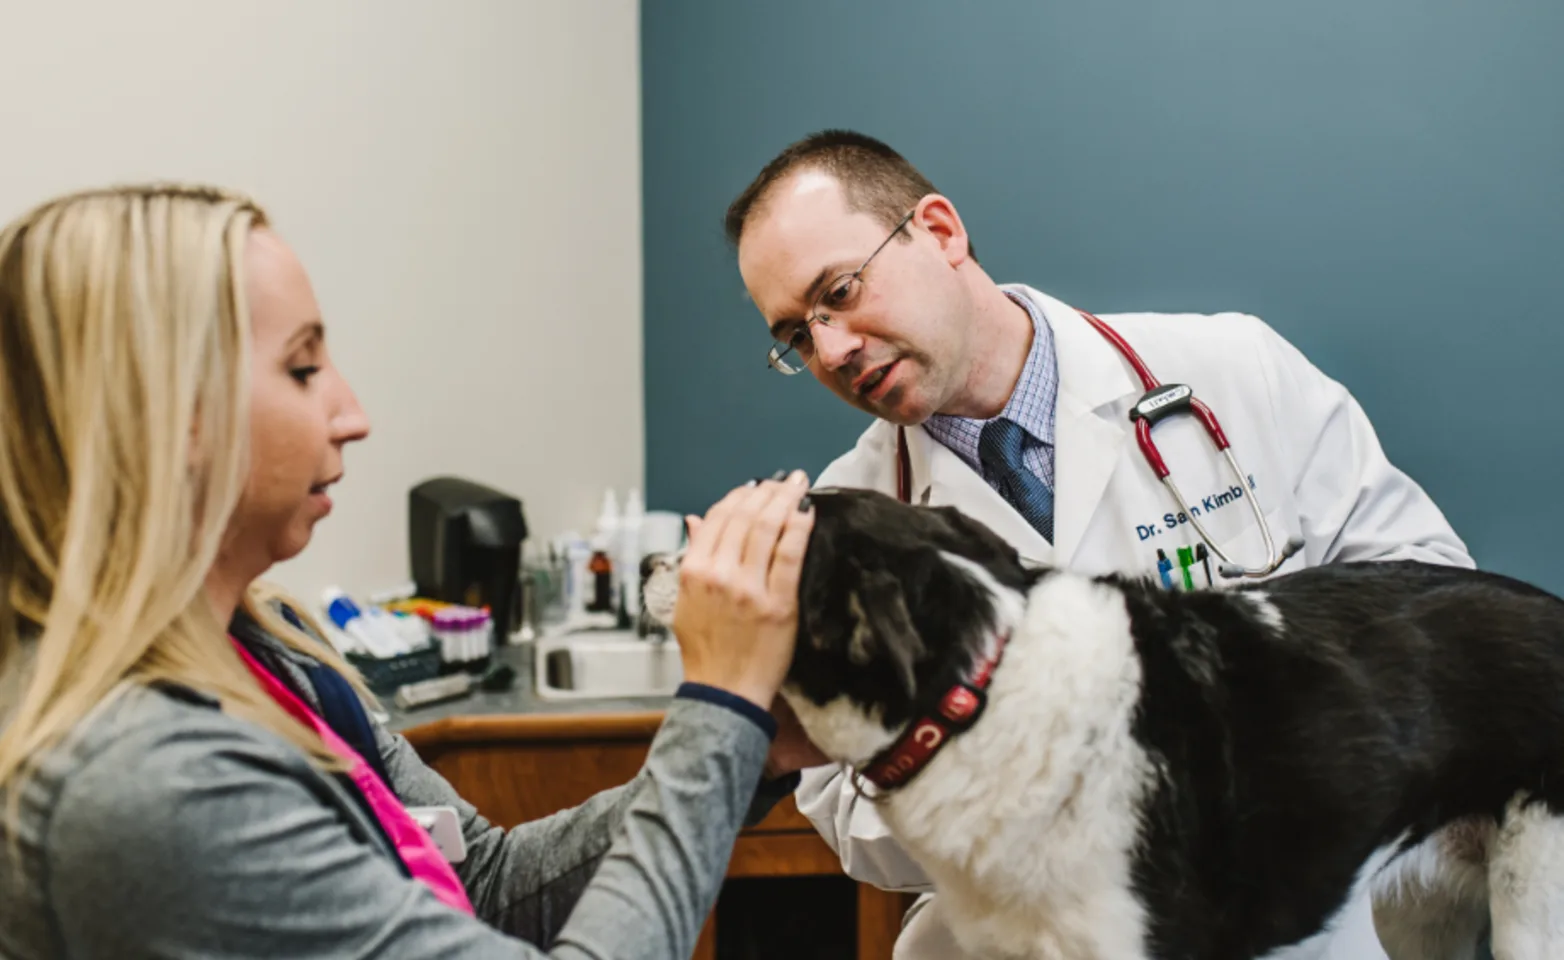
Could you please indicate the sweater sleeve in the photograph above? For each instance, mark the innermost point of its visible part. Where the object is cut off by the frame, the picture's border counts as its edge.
(528, 879)
(202, 840)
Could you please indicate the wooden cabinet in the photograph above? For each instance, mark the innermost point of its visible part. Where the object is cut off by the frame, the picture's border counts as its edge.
(521, 767)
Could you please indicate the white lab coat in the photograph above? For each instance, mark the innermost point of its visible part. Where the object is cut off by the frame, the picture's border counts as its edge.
(1316, 465)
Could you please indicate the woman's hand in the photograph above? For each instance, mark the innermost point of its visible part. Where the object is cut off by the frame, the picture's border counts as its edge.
(737, 613)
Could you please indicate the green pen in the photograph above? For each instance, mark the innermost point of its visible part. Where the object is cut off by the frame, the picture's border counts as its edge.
(1186, 559)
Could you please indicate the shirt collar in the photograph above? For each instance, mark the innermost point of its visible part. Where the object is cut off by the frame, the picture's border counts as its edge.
(1031, 405)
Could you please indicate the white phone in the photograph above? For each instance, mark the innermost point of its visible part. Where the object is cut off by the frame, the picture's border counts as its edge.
(445, 828)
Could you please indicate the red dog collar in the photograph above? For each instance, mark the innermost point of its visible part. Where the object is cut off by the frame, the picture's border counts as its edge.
(958, 709)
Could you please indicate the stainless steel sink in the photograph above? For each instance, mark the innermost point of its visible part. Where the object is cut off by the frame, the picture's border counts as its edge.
(602, 664)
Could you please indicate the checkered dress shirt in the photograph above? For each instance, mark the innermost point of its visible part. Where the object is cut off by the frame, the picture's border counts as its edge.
(1031, 405)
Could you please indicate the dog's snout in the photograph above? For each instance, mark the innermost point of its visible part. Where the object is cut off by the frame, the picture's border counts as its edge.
(657, 563)
(660, 586)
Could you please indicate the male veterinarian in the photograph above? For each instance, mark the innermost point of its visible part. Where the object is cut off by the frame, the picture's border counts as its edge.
(1015, 407)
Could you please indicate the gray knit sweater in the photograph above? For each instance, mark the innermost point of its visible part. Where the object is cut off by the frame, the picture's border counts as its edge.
(167, 828)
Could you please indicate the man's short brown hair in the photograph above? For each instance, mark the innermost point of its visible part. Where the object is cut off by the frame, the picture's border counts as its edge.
(876, 179)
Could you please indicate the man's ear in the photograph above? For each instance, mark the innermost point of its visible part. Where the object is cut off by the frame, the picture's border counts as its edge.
(938, 216)
(884, 629)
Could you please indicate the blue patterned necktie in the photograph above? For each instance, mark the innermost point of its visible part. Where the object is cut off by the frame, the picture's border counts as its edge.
(999, 449)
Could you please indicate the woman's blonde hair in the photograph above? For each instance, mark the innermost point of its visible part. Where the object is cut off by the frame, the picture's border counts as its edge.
(124, 426)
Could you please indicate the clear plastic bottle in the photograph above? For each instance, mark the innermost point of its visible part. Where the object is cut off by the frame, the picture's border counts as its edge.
(628, 555)
(366, 633)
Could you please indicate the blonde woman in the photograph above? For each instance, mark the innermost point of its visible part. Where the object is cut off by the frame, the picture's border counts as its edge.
(185, 769)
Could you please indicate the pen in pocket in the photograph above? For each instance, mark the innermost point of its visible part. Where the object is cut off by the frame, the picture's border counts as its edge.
(1186, 559)
(1163, 567)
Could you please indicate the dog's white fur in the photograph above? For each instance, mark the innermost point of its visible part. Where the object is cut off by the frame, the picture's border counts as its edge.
(1526, 884)
(1431, 903)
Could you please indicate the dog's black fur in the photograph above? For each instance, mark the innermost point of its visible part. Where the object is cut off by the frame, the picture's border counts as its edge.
(1394, 699)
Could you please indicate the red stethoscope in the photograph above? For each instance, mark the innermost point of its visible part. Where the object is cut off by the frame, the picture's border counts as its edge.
(1159, 402)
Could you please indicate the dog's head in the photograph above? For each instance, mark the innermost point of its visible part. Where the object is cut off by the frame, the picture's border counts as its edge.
(895, 602)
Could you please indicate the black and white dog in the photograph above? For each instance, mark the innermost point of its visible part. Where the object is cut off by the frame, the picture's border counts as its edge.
(1095, 767)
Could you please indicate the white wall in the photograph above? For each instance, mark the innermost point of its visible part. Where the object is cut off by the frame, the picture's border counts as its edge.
(462, 180)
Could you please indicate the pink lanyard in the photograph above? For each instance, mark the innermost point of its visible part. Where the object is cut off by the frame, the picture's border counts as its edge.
(412, 842)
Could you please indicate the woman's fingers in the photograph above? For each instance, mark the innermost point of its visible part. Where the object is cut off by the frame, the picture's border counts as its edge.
(771, 515)
(706, 535)
(718, 554)
(752, 521)
(735, 621)
(728, 550)
(787, 561)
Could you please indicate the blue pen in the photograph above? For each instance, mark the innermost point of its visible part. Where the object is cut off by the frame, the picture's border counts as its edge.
(1165, 569)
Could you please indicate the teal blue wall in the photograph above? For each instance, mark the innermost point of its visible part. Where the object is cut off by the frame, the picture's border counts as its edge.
(1381, 180)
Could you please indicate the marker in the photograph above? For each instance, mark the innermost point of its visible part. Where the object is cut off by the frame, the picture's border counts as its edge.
(1163, 566)
(1186, 559)
(1204, 557)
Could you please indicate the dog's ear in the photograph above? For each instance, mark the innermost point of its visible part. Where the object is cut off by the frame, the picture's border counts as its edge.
(884, 629)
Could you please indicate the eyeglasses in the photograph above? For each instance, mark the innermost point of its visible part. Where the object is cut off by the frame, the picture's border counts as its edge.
(795, 346)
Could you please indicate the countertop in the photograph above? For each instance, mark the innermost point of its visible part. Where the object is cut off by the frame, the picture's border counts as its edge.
(521, 698)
